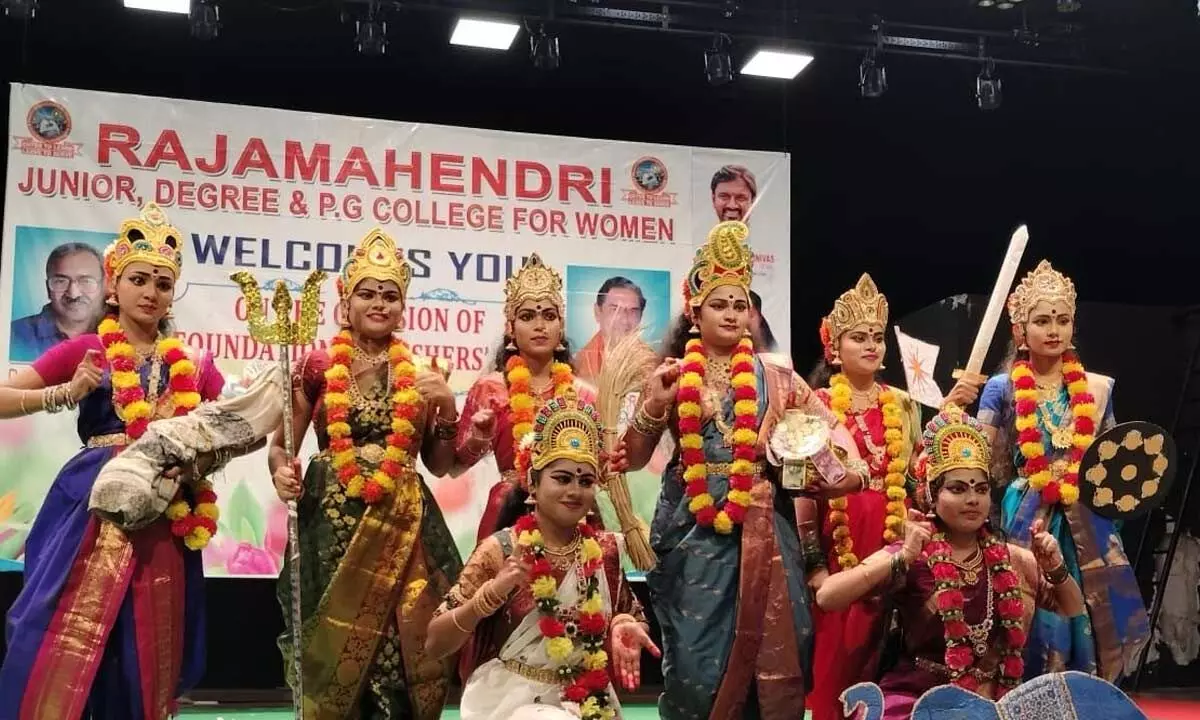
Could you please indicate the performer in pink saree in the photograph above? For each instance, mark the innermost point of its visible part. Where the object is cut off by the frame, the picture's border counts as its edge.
(966, 598)
(110, 624)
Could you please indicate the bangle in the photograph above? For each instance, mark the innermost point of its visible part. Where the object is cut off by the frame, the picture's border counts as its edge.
(23, 410)
(1058, 575)
(454, 619)
(445, 429)
(646, 424)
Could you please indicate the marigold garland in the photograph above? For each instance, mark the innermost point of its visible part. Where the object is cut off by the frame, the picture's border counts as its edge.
(894, 463)
(745, 421)
(406, 404)
(195, 525)
(521, 404)
(1031, 435)
(961, 655)
(585, 681)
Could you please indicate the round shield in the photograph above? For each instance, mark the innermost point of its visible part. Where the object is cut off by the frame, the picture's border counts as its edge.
(1127, 471)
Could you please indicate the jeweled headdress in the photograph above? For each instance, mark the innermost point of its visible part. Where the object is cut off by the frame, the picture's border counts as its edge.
(565, 427)
(1044, 283)
(952, 440)
(724, 259)
(377, 258)
(862, 304)
(148, 238)
(534, 281)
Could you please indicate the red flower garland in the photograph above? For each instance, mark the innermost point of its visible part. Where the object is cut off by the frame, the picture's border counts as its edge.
(1030, 438)
(960, 655)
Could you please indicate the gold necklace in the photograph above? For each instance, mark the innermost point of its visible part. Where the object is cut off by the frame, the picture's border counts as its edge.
(357, 353)
(568, 549)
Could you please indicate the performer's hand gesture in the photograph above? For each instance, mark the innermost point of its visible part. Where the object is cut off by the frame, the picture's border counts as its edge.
(617, 459)
(1045, 547)
(663, 386)
(287, 481)
(483, 422)
(966, 391)
(628, 641)
(436, 392)
(513, 575)
(917, 532)
(87, 375)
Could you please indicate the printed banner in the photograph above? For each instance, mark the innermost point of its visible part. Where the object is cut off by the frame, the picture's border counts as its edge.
(280, 193)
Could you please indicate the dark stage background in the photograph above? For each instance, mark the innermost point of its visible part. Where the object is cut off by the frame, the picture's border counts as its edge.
(918, 187)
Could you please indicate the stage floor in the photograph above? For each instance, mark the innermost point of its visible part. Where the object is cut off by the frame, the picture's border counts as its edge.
(1155, 709)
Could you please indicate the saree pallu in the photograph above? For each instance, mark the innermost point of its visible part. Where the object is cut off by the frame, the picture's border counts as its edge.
(736, 629)
(371, 578)
(1106, 641)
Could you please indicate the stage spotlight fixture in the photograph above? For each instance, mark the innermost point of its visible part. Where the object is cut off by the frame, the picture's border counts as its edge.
(205, 19)
(777, 64)
(872, 75)
(370, 34)
(718, 65)
(487, 34)
(988, 91)
(543, 49)
(171, 6)
(1069, 6)
(20, 9)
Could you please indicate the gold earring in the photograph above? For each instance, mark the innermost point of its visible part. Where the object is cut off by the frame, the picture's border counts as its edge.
(530, 501)
(694, 330)
(511, 346)
(1071, 345)
(111, 301)
(1023, 347)
(836, 360)
(561, 347)
(746, 333)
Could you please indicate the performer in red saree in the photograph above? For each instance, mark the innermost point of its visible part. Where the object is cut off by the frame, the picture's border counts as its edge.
(885, 424)
(110, 624)
(532, 366)
(966, 597)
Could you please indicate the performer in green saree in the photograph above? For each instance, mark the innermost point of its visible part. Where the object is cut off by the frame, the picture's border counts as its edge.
(377, 556)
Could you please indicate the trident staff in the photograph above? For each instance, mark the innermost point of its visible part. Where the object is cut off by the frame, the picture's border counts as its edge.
(286, 332)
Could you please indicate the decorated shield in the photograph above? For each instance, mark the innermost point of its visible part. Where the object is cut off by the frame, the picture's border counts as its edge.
(1127, 471)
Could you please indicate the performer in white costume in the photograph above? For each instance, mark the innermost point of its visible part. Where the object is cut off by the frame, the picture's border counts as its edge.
(542, 606)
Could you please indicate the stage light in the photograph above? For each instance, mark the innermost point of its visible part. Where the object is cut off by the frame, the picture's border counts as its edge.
(1069, 6)
(205, 19)
(872, 75)
(20, 9)
(718, 65)
(171, 6)
(777, 64)
(487, 34)
(988, 91)
(543, 50)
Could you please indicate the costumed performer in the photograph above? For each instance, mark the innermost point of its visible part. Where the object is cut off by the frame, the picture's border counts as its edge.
(729, 588)
(886, 426)
(544, 601)
(110, 624)
(532, 365)
(1042, 414)
(966, 598)
(377, 553)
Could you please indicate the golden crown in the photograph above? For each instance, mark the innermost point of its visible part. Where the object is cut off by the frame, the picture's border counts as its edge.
(724, 259)
(861, 305)
(149, 238)
(376, 258)
(534, 281)
(566, 428)
(1044, 283)
(953, 439)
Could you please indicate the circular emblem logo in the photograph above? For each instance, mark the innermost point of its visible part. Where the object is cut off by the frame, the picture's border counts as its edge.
(48, 121)
(649, 174)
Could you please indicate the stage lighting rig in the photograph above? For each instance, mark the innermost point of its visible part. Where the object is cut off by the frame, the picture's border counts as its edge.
(718, 64)
(543, 48)
(1068, 6)
(205, 19)
(988, 90)
(370, 33)
(872, 73)
(20, 9)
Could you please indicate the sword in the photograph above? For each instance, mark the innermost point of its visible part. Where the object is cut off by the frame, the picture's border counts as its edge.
(995, 307)
(286, 333)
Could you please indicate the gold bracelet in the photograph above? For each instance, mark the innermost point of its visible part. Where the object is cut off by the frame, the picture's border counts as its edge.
(454, 619)
(23, 410)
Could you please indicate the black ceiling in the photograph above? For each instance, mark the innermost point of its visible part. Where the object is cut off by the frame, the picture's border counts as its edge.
(920, 186)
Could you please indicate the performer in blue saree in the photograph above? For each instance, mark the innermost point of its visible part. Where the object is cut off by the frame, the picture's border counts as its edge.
(1042, 415)
(729, 587)
(110, 624)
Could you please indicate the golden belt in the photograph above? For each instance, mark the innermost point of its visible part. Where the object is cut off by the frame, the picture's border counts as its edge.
(368, 452)
(726, 469)
(941, 670)
(542, 675)
(110, 440)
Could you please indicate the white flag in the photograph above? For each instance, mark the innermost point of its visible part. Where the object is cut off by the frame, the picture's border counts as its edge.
(919, 359)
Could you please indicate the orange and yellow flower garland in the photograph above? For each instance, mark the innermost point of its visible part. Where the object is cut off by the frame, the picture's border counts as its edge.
(196, 525)
(1031, 438)
(585, 682)
(895, 461)
(521, 404)
(745, 420)
(406, 402)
